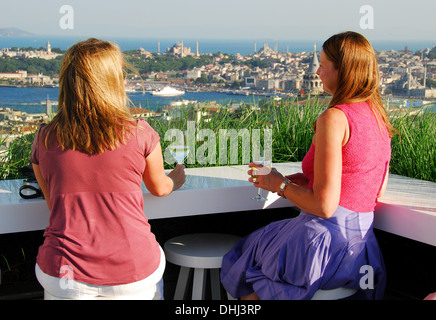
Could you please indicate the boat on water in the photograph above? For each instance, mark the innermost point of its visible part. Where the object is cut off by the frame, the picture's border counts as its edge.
(130, 89)
(168, 92)
(183, 102)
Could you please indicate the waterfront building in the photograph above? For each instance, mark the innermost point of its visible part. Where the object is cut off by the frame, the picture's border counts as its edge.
(250, 82)
(292, 85)
(38, 79)
(268, 85)
(193, 74)
(19, 75)
(46, 54)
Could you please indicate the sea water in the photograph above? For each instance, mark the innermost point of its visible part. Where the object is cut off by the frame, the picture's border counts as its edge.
(205, 46)
(33, 99)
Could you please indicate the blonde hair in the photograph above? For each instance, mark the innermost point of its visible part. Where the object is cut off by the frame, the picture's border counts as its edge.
(93, 114)
(358, 74)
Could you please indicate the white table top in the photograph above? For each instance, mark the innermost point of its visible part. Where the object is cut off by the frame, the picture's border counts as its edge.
(408, 207)
(206, 191)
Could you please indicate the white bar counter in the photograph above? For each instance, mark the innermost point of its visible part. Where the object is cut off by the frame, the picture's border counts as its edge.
(206, 191)
(408, 207)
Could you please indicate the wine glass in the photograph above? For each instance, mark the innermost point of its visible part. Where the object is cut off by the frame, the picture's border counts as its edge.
(261, 171)
(179, 152)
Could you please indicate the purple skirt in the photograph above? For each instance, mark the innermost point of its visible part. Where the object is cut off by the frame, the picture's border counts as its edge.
(291, 259)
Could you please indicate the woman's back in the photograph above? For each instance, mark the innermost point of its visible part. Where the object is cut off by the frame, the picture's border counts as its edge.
(97, 223)
(365, 158)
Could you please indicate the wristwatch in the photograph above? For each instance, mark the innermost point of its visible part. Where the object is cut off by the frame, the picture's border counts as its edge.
(283, 186)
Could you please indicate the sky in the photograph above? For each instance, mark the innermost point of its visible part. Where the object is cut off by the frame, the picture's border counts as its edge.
(224, 19)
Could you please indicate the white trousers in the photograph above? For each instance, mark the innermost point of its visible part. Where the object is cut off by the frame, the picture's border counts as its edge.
(150, 288)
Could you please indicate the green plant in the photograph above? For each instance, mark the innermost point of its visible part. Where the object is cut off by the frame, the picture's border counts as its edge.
(6, 262)
(291, 123)
(16, 157)
(414, 149)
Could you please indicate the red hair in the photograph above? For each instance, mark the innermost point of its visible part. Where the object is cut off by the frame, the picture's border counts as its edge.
(358, 74)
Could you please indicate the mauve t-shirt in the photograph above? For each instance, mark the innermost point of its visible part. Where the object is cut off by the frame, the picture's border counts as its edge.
(97, 229)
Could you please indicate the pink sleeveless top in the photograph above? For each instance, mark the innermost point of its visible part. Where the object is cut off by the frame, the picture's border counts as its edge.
(97, 226)
(365, 159)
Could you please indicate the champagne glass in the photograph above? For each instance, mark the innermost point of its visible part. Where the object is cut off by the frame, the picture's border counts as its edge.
(179, 152)
(261, 171)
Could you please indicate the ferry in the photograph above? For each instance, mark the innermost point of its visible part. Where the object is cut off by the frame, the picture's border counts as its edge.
(168, 92)
(130, 89)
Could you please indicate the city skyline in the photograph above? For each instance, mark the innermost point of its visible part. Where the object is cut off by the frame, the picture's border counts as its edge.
(228, 19)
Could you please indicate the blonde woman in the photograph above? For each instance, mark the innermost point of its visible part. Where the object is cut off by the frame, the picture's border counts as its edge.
(331, 243)
(90, 161)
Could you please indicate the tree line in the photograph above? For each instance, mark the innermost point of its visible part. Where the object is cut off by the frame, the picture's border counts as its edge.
(158, 63)
(165, 63)
(31, 65)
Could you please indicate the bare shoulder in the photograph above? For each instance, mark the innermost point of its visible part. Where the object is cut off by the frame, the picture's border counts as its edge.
(335, 122)
(332, 115)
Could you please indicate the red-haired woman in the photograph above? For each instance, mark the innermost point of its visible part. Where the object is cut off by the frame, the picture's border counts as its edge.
(331, 243)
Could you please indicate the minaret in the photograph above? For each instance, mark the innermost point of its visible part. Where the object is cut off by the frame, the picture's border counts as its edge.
(314, 65)
(48, 109)
(182, 54)
(425, 76)
(196, 51)
(48, 47)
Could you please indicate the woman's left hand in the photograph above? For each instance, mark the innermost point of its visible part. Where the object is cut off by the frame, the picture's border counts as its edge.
(264, 177)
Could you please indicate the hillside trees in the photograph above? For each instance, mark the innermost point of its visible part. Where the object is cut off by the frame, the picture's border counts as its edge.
(163, 63)
(31, 65)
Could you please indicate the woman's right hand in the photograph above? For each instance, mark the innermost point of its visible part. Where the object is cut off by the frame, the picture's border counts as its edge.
(178, 176)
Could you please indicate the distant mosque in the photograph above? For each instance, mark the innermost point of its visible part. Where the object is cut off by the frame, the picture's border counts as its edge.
(266, 50)
(410, 85)
(181, 51)
(311, 81)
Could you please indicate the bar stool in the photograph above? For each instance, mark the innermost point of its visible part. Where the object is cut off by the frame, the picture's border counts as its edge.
(333, 294)
(201, 252)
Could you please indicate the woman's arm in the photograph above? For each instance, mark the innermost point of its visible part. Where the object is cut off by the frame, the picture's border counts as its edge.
(323, 199)
(42, 184)
(384, 186)
(155, 179)
(330, 137)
